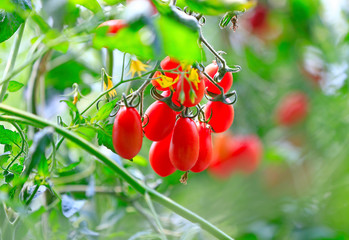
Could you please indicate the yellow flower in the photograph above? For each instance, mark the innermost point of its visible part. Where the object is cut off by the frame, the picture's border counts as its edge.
(137, 67)
(165, 81)
(112, 93)
(194, 77)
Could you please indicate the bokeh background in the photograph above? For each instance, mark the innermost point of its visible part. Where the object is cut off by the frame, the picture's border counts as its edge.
(299, 189)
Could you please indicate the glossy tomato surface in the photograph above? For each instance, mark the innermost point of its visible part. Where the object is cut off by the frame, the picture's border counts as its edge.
(184, 147)
(205, 152)
(159, 157)
(225, 83)
(193, 93)
(222, 115)
(159, 121)
(127, 133)
(171, 64)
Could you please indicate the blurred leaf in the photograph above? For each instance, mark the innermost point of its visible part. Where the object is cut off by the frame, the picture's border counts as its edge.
(71, 206)
(105, 137)
(112, 2)
(16, 168)
(10, 21)
(4, 157)
(88, 133)
(92, 5)
(104, 111)
(73, 111)
(217, 7)
(69, 167)
(44, 27)
(54, 34)
(9, 137)
(14, 86)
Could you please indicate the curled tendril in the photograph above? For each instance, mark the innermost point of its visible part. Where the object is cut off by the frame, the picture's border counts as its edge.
(115, 110)
(167, 100)
(147, 118)
(187, 113)
(98, 102)
(133, 102)
(223, 98)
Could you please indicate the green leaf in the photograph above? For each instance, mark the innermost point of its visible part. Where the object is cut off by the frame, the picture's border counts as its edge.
(104, 112)
(127, 40)
(92, 5)
(69, 167)
(105, 137)
(14, 86)
(217, 7)
(9, 137)
(11, 19)
(179, 40)
(44, 27)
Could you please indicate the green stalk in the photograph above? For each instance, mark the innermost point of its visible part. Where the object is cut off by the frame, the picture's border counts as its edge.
(11, 62)
(138, 186)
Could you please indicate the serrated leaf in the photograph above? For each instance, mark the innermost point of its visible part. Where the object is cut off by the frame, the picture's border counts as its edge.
(92, 5)
(217, 7)
(11, 20)
(104, 112)
(9, 137)
(14, 86)
(105, 137)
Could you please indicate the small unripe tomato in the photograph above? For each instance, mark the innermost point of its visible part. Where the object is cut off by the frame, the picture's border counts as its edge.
(292, 109)
(225, 83)
(184, 147)
(127, 132)
(114, 25)
(159, 121)
(159, 157)
(205, 152)
(222, 115)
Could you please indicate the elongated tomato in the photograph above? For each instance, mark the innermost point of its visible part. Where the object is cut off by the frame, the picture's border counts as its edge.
(159, 157)
(205, 152)
(184, 147)
(127, 133)
(159, 121)
(225, 83)
(222, 115)
(171, 64)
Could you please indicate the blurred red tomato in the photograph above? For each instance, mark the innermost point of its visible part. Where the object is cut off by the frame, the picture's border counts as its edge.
(292, 109)
(114, 25)
(236, 153)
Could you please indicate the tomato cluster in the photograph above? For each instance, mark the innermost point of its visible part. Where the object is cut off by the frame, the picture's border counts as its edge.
(180, 142)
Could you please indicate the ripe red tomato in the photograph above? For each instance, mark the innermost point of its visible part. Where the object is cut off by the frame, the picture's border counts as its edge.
(292, 109)
(222, 115)
(114, 25)
(159, 157)
(159, 121)
(184, 147)
(205, 152)
(258, 19)
(225, 83)
(127, 132)
(171, 64)
(190, 100)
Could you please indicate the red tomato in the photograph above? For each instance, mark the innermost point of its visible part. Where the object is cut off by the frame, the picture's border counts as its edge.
(156, 84)
(225, 83)
(171, 64)
(184, 147)
(127, 132)
(222, 115)
(205, 152)
(292, 109)
(258, 19)
(189, 99)
(159, 121)
(159, 157)
(114, 25)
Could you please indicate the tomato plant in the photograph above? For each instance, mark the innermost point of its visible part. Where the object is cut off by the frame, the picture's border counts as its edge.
(225, 83)
(220, 115)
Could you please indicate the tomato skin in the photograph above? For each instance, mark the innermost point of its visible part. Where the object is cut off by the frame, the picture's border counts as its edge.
(206, 151)
(292, 109)
(225, 83)
(114, 25)
(127, 132)
(185, 85)
(156, 84)
(159, 157)
(184, 147)
(159, 121)
(222, 115)
(170, 64)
